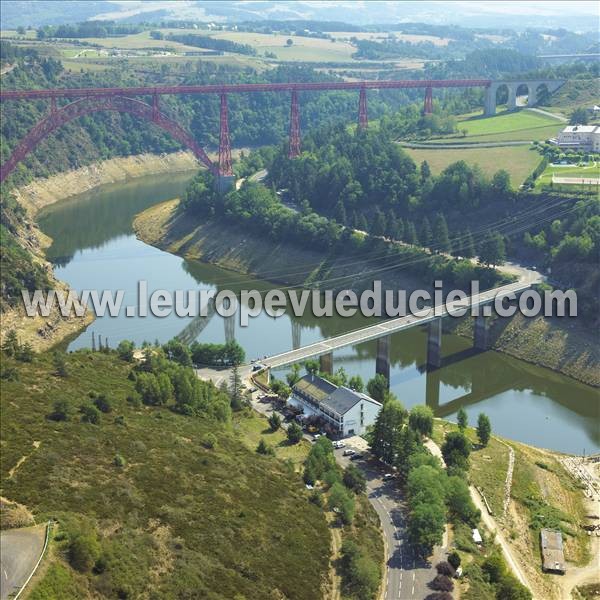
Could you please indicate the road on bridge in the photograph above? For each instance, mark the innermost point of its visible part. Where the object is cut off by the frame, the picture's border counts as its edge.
(384, 328)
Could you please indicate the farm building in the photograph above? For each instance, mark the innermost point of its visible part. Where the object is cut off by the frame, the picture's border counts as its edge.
(553, 558)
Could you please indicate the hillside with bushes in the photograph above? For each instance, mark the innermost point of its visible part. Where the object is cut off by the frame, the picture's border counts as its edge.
(150, 483)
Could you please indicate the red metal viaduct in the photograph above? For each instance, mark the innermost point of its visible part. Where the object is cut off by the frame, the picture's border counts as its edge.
(89, 100)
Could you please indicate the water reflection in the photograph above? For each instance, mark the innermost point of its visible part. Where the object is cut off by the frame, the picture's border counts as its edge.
(95, 249)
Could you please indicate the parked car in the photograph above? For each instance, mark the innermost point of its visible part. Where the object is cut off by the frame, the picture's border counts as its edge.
(388, 476)
(356, 457)
(338, 444)
(316, 436)
(349, 452)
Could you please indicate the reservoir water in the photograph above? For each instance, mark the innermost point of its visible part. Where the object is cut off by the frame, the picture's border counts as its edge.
(94, 248)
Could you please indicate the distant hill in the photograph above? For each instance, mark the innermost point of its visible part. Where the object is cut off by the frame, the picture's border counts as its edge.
(502, 14)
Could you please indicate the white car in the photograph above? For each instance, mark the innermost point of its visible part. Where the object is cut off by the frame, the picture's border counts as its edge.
(388, 476)
(349, 452)
(338, 444)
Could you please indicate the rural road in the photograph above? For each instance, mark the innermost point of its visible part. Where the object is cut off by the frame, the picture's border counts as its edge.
(20, 550)
(406, 576)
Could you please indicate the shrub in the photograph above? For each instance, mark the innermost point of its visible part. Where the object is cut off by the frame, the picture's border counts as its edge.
(102, 403)
(456, 450)
(354, 479)
(341, 501)
(90, 414)
(316, 498)
(264, 448)
(119, 461)
(209, 441)
(134, 400)
(294, 433)
(441, 583)
(84, 551)
(360, 575)
(420, 420)
(445, 568)
(454, 559)
(125, 350)
(60, 364)
(274, 421)
(60, 411)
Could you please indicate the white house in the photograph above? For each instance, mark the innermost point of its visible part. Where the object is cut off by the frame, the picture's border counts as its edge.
(345, 411)
(579, 137)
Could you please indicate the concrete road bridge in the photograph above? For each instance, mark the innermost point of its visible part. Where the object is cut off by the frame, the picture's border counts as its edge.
(383, 330)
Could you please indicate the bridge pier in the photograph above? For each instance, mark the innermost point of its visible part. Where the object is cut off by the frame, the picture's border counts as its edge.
(480, 333)
(532, 96)
(434, 344)
(363, 120)
(225, 169)
(382, 362)
(490, 101)
(229, 323)
(294, 147)
(512, 97)
(432, 390)
(326, 363)
(428, 102)
(296, 335)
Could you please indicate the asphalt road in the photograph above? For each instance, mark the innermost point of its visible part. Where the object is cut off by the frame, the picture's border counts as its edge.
(406, 575)
(20, 550)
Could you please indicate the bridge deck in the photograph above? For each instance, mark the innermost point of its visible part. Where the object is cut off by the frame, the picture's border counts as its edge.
(391, 326)
(242, 88)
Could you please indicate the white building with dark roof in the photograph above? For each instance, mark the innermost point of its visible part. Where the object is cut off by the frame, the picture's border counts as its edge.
(579, 137)
(345, 411)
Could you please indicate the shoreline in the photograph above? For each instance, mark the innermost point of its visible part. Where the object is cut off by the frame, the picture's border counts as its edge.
(563, 348)
(46, 332)
(40, 193)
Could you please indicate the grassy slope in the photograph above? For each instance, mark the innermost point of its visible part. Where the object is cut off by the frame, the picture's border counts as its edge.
(178, 519)
(506, 122)
(519, 161)
(542, 494)
(520, 125)
(232, 248)
(574, 94)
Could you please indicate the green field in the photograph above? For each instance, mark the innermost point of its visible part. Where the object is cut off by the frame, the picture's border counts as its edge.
(519, 161)
(302, 48)
(175, 519)
(521, 125)
(591, 171)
